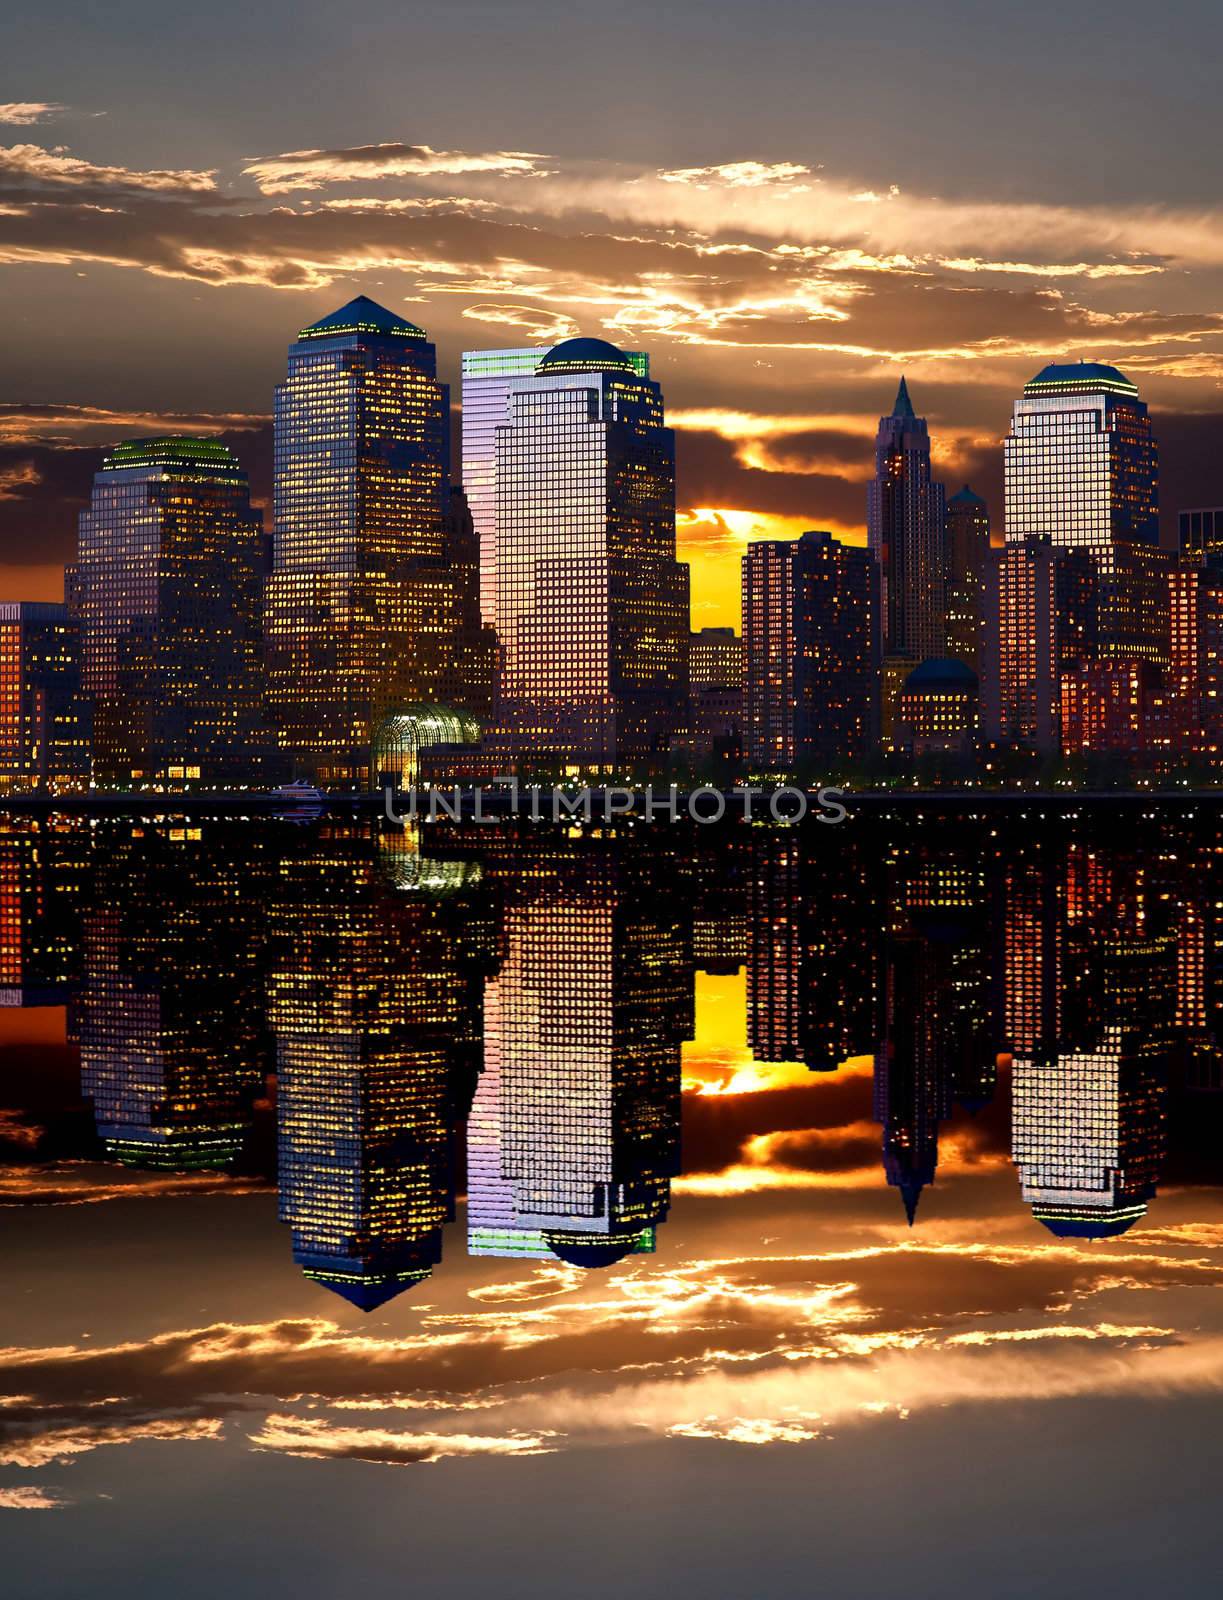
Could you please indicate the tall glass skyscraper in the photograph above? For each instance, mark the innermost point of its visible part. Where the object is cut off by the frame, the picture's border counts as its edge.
(906, 530)
(591, 605)
(361, 610)
(489, 378)
(171, 560)
(1081, 465)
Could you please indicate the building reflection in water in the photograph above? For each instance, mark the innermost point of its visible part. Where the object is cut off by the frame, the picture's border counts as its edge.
(511, 1006)
(1096, 1029)
(169, 1018)
(574, 1133)
(375, 1006)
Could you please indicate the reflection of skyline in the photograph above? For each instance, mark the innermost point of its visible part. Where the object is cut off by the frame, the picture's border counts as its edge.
(530, 997)
(375, 1019)
(575, 1127)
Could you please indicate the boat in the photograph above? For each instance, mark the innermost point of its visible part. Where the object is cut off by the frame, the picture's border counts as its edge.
(301, 792)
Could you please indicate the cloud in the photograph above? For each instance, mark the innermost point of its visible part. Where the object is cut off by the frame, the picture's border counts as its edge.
(21, 113)
(740, 175)
(317, 1439)
(27, 1497)
(312, 169)
(31, 163)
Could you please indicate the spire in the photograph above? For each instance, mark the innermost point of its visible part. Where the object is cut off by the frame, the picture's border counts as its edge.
(903, 406)
(910, 1193)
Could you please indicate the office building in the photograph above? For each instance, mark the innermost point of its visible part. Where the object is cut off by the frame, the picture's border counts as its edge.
(1113, 708)
(591, 604)
(907, 534)
(937, 709)
(362, 610)
(967, 553)
(489, 378)
(167, 581)
(45, 720)
(1040, 614)
(1080, 460)
(811, 652)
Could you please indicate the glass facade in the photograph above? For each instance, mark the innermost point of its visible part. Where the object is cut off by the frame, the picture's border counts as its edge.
(362, 610)
(1080, 460)
(168, 578)
(591, 604)
(394, 756)
(489, 378)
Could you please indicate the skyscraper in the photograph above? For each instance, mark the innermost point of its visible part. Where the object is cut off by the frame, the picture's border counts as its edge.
(967, 552)
(906, 528)
(591, 604)
(769, 652)
(45, 721)
(1040, 618)
(168, 579)
(811, 651)
(361, 606)
(1080, 460)
(489, 378)
(836, 671)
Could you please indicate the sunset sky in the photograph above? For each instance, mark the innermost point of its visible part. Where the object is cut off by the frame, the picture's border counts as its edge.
(787, 204)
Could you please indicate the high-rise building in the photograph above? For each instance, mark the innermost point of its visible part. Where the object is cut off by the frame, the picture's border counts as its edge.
(837, 650)
(967, 553)
(769, 654)
(45, 721)
(907, 533)
(1195, 676)
(489, 378)
(1039, 619)
(362, 609)
(1080, 460)
(591, 604)
(168, 580)
(811, 651)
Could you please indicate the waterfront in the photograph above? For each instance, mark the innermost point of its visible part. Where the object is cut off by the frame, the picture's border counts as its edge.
(540, 1212)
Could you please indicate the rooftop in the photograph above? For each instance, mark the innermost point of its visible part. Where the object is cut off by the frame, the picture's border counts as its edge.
(174, 455)
(1080, 377)
(941, 672)
(585, 355)
(362, 315)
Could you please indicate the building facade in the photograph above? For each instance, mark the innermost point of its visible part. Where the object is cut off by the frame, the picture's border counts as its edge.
(591, 604)
(489, 378)
(45, 720)
(1039, 619)
(362, 610)
(1080, 461)
(168, 584)
(967, 554)
(907, 534)
(769, 655)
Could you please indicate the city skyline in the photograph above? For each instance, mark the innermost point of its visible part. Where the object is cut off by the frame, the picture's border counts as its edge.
(782, 271)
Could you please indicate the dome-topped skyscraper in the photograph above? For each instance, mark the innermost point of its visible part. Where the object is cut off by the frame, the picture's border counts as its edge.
(1081, 465)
